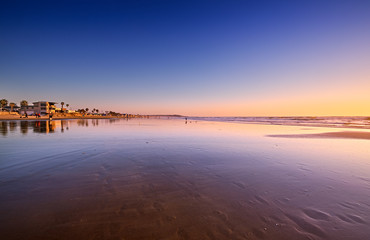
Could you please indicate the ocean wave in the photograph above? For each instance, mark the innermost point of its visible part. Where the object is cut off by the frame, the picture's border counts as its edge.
(343, 122)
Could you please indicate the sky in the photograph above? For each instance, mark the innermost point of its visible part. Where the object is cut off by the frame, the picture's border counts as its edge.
(196, 58)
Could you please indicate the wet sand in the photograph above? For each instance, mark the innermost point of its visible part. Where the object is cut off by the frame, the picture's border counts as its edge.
(158, 179)
(344, 134)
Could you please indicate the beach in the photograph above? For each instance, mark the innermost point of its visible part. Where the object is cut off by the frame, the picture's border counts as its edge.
(176, 179)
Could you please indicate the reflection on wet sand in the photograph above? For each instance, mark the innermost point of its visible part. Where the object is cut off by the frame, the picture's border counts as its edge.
(83, 122)
(12, 126)
(169, 180)
(44, 126)
(36, 126)
(24, 127)
(4, 127)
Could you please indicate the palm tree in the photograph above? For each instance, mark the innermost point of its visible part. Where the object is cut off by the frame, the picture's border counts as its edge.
(24, 103)
(11, 106)
(3, 103)
(62, 103)
(97, 111)
(67, 105)
(87, 110)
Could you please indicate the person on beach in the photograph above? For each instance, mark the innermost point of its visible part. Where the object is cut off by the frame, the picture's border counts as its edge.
(26, 115)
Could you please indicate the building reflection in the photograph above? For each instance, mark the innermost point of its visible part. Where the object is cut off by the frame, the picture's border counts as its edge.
(44, 126)
(7, 127)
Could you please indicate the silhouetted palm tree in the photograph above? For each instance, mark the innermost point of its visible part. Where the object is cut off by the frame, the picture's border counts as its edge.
(3, 103)
(67, 105)
(87, 110)
(62, 103)
(24, 103)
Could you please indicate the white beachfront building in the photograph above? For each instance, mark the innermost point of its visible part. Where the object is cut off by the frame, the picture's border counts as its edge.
(40, 107)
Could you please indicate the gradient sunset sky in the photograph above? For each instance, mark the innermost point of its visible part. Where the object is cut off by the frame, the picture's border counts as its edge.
(205, 58)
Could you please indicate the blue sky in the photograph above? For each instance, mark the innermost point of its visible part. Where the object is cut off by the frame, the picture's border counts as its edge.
(188, 57)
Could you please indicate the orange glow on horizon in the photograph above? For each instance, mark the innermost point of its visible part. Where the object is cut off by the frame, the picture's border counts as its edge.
(347, 102)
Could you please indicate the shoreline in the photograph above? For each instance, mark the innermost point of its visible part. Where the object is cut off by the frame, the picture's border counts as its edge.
(300, 124)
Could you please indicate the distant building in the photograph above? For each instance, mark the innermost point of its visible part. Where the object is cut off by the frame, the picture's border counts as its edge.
(41, 107)
(9, 108)
(26, 109)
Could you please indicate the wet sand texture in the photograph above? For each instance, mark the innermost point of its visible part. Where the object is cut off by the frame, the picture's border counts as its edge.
(345, 134)
(167, 187)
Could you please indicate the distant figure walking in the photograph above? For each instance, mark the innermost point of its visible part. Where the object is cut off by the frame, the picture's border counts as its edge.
(26, 115)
